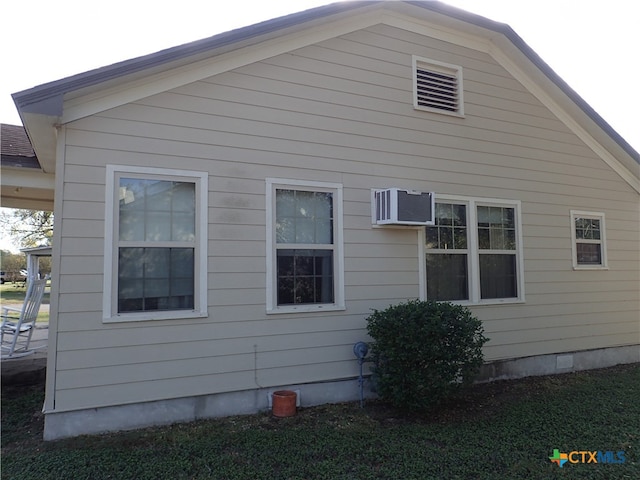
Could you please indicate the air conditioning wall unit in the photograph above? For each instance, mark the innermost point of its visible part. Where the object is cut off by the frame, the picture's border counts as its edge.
(395, 206)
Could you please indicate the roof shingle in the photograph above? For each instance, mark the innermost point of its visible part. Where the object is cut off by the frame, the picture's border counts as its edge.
(15, 147)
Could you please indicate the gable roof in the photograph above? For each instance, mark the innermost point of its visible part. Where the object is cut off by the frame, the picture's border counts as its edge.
(41, 107)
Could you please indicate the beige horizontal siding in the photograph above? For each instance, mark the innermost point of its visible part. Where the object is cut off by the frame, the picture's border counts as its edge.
(124, 393)
(232, 326)
(129, 354)
(340, 111)
(74, 265)
(439, 171)
(531, 312)
(174, 369)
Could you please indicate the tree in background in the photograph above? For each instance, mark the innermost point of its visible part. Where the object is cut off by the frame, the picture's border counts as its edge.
(28, 228)
(11, 264)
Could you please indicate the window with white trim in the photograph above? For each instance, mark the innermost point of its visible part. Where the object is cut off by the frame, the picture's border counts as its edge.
(473, 252)
(448, 253)
(588, 240)
(437, 86)
(497, 251)
(155, 245)
(304, 257)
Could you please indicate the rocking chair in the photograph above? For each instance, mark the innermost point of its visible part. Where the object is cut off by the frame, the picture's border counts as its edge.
(18, 324)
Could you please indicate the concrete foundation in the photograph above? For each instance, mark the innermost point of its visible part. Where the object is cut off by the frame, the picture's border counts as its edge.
(559, 363)
(164, 412)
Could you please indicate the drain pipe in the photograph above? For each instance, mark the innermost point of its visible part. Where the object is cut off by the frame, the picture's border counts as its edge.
(360, 350)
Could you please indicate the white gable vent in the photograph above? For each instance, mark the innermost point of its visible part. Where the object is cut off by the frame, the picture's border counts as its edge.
(437, 86)
(394, 206)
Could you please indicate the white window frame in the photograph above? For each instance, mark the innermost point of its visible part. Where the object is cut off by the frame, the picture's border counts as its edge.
(272, 184)
(111, 243)
(473, 250)
(602, 242)
(437, 66)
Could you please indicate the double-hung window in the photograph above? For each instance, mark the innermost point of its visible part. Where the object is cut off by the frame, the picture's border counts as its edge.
(588, 240)
(448, 253)
(155, 247)
(473, 252)
(304, 257)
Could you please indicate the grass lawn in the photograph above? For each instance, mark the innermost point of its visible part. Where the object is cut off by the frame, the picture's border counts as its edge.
(502, 430)
(12, 294)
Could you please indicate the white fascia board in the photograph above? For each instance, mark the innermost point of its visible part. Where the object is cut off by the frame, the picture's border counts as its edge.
(43, 136)
(472, 38)
(27, 177)
(27, 203)
(28, 188)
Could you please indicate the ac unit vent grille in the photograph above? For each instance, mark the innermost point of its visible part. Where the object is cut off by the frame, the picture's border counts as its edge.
(394, 206)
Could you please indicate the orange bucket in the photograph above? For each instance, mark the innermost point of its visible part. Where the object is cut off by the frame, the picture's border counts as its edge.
(283, 403)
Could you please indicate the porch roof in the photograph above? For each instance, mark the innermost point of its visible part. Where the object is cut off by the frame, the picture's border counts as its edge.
(24, 183)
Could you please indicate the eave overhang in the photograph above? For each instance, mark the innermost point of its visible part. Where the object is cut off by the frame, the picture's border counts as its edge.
(44, 108)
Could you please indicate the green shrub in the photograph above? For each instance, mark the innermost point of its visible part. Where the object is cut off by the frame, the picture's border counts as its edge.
(423, 352)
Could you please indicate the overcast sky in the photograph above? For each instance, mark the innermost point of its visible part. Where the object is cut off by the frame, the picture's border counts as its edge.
(593, 45)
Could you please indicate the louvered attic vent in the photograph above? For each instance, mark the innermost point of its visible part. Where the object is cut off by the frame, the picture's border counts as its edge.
(437, 86)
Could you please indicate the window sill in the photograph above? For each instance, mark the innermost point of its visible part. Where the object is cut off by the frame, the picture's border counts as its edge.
(590, 267)
(499, 301)
(489, 302)
(305, 309)
(151, 316)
